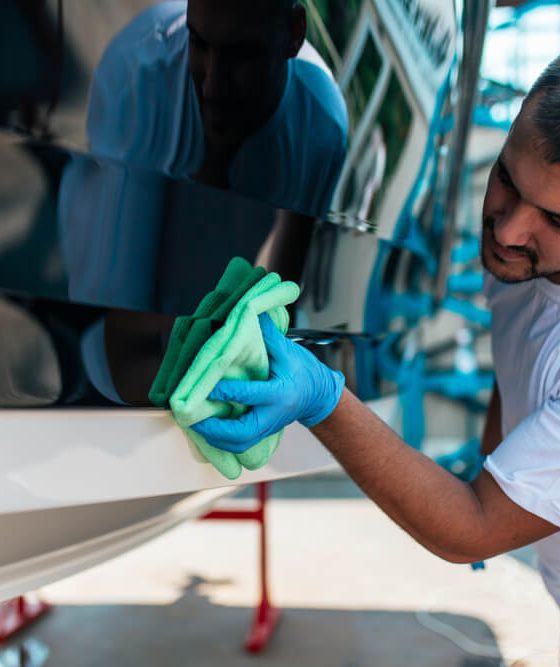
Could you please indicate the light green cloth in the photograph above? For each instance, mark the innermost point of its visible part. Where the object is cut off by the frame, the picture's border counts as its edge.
(236, 351)
(191, 332)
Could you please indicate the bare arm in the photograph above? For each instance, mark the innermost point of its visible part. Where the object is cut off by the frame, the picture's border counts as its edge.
(457, 521)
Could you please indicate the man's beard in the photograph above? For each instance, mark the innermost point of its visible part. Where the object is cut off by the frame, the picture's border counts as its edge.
(533, 272)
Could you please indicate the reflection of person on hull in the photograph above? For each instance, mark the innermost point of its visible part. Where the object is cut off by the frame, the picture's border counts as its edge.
(515, 500)
(227, 93)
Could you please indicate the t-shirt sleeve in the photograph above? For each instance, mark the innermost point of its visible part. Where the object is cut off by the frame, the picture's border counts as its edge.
(123, 122)
(110, 228)
(526, 464)
(113, 107)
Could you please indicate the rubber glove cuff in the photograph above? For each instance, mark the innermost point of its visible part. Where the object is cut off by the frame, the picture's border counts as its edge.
(331, 390)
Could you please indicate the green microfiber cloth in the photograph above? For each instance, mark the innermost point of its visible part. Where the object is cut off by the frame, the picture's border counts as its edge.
(236, 351)
(191, 332)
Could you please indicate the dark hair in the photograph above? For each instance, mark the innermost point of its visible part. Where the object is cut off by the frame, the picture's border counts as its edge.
(545, 112)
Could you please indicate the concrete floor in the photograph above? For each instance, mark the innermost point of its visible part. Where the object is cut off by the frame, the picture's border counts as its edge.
(355, 590)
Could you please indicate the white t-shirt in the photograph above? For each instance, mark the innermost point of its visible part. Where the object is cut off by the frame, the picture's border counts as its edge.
(526, 352)
(144, 111)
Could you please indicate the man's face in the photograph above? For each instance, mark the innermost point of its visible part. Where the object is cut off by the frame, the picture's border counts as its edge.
(237, 57)
(521, 213)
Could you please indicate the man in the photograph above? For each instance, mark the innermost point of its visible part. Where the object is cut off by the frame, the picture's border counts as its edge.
(226, 93)
(515, 500)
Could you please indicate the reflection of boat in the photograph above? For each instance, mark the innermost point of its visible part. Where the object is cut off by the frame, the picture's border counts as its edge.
(82, 479)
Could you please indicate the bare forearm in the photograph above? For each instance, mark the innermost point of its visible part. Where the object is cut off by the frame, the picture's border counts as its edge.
(438, 510)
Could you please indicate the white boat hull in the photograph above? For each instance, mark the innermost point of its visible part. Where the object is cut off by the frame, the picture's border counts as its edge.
(80, 486)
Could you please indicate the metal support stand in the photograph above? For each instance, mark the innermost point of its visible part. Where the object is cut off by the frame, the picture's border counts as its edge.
(18, 613)
(266, 616)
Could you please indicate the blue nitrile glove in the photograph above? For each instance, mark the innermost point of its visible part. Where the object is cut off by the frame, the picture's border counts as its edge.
(300, 388)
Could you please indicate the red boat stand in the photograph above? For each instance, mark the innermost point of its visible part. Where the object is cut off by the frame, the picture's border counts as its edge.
(17, 614)
(266, 616)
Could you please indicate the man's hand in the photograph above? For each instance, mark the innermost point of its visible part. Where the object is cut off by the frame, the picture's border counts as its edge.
(300, 388)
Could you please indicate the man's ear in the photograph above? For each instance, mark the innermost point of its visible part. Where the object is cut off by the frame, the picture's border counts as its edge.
(298, 29)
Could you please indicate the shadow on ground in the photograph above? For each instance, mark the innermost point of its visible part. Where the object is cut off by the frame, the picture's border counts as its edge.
(195, 631)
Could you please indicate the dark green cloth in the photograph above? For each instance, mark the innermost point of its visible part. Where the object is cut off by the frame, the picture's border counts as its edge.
(190, 332)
